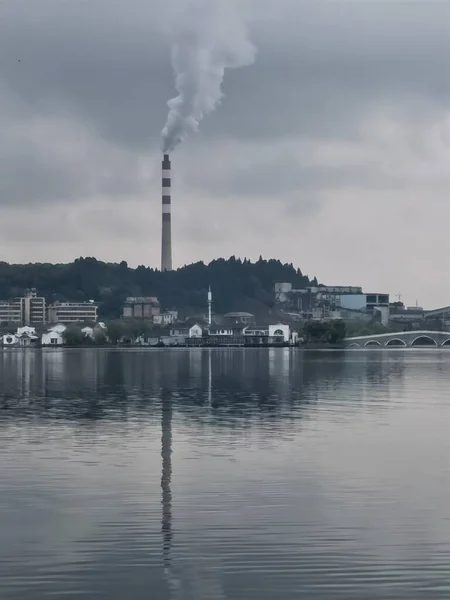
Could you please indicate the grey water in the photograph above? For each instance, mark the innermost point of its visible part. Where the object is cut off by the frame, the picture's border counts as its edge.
(224, 474)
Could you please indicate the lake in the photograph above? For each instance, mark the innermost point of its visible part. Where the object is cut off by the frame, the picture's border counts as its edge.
(271, 474)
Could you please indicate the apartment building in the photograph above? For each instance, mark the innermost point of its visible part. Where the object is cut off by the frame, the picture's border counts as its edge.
(29, 309)
(72, 312)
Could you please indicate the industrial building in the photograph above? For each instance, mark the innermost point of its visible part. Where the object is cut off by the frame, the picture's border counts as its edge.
(331, 302)
(364, 302)
(72, 312)
(141, 308)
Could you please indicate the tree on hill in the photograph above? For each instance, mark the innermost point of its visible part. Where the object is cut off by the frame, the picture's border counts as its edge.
(237, 284)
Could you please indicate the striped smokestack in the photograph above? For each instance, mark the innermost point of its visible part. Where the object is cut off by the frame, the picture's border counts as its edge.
(166, 236)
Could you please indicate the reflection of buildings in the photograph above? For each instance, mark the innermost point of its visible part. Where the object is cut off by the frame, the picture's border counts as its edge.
(280, 370)
(195, 364)
(247, 383)
(21, 373)
(53, 366)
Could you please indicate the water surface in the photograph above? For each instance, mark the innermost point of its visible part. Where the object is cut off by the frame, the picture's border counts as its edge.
(224, 474)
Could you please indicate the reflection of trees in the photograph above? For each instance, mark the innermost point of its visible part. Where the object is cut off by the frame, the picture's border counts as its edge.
(239, 388)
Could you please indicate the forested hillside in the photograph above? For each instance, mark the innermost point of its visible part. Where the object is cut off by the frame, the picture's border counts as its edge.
(237, 284)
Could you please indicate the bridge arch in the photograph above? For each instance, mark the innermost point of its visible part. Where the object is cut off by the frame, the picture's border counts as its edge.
(372, 343)
(429, 341)
(395, 343)
(354, 345)
(446, 343)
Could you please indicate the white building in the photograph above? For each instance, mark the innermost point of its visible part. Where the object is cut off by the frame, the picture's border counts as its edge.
(194, 331)
(24, 340)
(167, 318)
(52, 338)
(280, 331)
(271, 333)
(21, 331)
(10, 340)
(225, 329)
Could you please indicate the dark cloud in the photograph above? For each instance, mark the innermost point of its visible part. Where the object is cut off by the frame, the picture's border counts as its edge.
(346, 100)
(318, 66)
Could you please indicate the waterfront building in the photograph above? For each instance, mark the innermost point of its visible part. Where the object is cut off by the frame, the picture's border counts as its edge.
(52, 338)
(166, 318)
(23, 340)
(72, 312)
(183, 330)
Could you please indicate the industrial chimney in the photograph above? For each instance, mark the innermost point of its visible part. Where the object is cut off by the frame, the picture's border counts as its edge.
(166, 234)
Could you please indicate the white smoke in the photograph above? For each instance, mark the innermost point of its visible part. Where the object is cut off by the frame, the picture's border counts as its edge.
(208, 36)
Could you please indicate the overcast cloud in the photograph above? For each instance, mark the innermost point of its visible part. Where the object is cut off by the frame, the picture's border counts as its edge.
(331, 151)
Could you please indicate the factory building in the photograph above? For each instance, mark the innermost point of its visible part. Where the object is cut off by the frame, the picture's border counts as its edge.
(331, 302)
(141, 308)
(363, 301)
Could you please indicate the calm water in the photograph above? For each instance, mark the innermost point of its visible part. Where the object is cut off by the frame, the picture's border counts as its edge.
(224, 474)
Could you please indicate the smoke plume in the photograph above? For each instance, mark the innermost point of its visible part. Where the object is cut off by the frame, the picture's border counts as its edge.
(208, 36)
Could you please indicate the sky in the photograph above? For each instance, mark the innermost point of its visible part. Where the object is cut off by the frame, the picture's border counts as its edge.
(331, 151)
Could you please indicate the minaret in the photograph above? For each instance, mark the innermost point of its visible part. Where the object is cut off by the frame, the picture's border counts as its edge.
(166, 234)
(209, 306)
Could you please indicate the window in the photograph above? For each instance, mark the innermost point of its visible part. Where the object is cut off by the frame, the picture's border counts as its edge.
(54, 341)
(278, 332)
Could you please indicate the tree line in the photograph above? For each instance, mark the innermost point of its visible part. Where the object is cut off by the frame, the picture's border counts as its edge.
(237, 284)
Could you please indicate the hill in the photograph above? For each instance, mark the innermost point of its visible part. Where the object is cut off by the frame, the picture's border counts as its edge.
(237, 284)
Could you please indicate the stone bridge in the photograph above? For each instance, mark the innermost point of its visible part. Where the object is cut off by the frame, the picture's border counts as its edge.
(406, 339)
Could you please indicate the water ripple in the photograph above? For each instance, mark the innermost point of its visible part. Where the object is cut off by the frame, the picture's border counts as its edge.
(224, 474)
